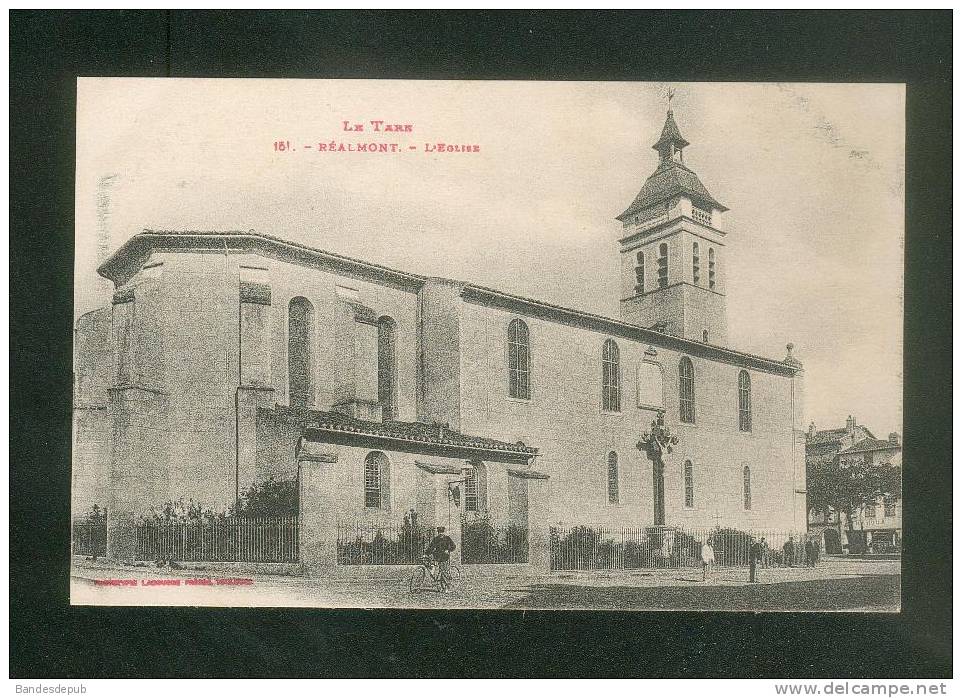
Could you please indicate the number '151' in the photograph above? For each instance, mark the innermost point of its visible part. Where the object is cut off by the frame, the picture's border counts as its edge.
(282, 145)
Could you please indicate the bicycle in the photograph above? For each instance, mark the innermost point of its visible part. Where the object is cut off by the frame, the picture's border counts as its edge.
(430, 569)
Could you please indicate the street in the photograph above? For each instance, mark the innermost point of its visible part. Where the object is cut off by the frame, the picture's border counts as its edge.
(838, 584)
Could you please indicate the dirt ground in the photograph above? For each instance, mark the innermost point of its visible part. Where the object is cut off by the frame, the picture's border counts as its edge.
(838, 584)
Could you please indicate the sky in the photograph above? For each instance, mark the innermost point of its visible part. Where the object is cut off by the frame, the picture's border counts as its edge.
(813, 175)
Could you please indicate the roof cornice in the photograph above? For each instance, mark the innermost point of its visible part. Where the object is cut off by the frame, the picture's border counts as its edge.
(131, 256)
(490, 297)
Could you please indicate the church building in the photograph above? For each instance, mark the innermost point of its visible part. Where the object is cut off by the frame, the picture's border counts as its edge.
(229, 357)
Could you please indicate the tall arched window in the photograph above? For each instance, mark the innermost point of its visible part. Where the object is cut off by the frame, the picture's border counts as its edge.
(711, 268)
(475, 488)
(613, 478)
(747, 486)
(695, 264)
(640, 272)
(689, 485)
(744, 401)
(377, 481)
(663, 265)
(610, 377)
(300, 330)
(387, 367)
(519, 361)
(686, 390)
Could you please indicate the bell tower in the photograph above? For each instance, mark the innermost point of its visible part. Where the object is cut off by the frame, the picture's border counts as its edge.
(672, 250)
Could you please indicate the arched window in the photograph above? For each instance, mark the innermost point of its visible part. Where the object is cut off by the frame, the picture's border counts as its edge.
(386, 367)
(686, 390)
(640, 272)
(747, 477)
(711, 268)
(475, 488)
(377, 481)
(300, 330)
(663, 265)
(744, 401)
(704, 336)
(610, 377)
(695, 264)
(689, 485)
(519, 361)
(612, 478)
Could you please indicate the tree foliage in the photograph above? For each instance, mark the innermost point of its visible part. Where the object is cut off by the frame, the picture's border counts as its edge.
(269, 498)
(847, 488)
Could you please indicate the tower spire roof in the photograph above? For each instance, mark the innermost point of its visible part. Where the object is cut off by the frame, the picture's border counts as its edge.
(670, 134)
(672, 177)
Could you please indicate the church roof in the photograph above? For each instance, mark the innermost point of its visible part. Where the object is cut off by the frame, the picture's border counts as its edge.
(392, 430)
(669, 180)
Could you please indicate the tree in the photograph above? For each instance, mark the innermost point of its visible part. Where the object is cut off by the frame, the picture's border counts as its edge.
(269, 498)
(848, 488)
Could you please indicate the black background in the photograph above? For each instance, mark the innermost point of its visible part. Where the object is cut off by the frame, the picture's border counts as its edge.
(49, 49)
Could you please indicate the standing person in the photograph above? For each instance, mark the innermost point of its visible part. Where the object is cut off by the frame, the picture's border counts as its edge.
(754, 555)
(440, 550)
(766, 553)
(788, 550)
(707, 559)
(809, 553)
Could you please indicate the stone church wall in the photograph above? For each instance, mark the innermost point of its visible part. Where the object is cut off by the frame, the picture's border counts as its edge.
(565, 421)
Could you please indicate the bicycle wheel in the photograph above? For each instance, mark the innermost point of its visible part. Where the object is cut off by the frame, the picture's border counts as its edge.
(417, 579)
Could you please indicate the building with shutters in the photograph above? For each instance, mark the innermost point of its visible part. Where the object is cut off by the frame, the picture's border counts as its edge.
(228, 357)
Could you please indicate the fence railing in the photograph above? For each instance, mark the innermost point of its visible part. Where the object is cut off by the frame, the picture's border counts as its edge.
(484, 543)
(626, 548)
(89, 537)
(238, 539)
(381, 544)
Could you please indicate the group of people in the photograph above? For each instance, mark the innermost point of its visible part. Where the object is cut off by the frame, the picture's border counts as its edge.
(759, 553)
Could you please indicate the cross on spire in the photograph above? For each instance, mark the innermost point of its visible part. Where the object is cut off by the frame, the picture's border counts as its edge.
(669, 93)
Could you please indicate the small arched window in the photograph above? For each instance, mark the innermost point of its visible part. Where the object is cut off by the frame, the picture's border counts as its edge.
(613, 478)
(300, 330)
(475, 488)
(610, 377)
(704, 336)
(640, 273)
(519, 361)
(689, 485)
(744, 401)
(387, 367)
(377, 481)
(663, 265)
(686, 390)
(711, 268)
(747, 486)
(695, 264)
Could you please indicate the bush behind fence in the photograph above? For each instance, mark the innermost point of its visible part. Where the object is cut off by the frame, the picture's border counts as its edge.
(240, 539)
(485, 543)
(89, 537)
(381, 544)
(617, 548)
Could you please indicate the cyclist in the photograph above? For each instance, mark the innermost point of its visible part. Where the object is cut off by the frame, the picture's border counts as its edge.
(440, 550)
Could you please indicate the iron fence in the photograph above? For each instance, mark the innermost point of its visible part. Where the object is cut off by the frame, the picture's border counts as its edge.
(662, 547)
(238, 539)
(362, 543)
(485, 543)
(89, 537)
